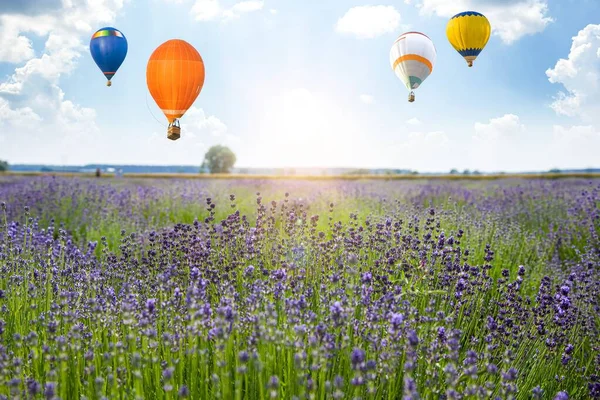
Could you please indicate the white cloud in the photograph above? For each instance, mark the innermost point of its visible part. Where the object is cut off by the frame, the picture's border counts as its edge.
(196, 123)
(31, 101)
(15, 46)
(209, 10)
(510, 19)
(367, 98)
(20, 117)
(247, 6)
(367, 22)
(579, 73)
(498, 128)
(414, 121)
(206, 10)
(497, 141)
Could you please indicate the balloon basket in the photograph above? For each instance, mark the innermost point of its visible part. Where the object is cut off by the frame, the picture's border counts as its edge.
(173, 132)
(109, 83)
(411, 97)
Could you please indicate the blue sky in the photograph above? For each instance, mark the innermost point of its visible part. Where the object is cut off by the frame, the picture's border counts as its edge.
(306, 83)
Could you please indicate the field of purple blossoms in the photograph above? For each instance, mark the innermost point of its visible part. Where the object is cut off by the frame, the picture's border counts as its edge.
(201, 289)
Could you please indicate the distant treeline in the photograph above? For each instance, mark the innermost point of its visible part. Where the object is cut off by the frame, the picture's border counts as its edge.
(299, 172)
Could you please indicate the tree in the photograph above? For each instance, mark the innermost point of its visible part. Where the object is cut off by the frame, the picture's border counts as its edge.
(3, 166)
(453, 171)
(219, 159)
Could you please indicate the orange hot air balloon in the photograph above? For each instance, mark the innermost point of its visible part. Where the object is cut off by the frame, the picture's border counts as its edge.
(175, 76)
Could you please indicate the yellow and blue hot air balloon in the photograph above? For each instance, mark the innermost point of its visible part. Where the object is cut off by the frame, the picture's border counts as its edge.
(109, 48)
(468, 32)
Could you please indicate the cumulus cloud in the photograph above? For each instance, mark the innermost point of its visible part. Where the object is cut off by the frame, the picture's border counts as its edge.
(497, 141)
(209, 10)
(498, 128)
(510, 19)
(579, 74)
(18, 117)
(198, 124)
(414, 121)
(31, 100)
(367, 22)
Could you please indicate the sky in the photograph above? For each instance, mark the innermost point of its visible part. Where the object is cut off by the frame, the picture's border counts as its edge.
(305, 83)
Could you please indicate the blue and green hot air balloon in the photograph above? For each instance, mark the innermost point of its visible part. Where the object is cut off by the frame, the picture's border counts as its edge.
(109, 48)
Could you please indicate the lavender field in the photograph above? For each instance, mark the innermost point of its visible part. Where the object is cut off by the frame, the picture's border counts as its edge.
(250, 289)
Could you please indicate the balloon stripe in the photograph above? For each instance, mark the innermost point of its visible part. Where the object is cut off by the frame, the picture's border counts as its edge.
(174, 112)
(468, 14)
(413, 57)
(107, 32)
(410, 33)
(469, 52)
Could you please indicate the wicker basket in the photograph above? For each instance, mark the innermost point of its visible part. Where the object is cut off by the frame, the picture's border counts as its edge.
(174, 132)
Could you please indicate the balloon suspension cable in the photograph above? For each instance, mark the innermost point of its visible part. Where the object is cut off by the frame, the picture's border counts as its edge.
(150, 111)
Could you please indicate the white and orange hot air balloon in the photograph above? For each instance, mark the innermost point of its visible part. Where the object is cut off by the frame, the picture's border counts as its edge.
(175, 77)
(412, 58)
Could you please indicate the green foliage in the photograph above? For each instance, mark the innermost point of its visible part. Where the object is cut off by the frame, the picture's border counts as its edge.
(219, 159)
(3, 166)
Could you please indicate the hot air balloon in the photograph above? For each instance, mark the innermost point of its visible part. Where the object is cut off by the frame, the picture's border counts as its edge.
(109, 48)
(412, 57)
(468, 32)
(175, 76)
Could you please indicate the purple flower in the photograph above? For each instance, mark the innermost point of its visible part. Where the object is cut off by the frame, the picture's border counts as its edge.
(150, 305)
(537, 392)
(367, 277)
(510, 375)
(273, 382)
(561, 396)
(412, 337)
(243, 356)
(168, 373)
(50, 390)
(183, 391)
(396, 320)
(357, 357)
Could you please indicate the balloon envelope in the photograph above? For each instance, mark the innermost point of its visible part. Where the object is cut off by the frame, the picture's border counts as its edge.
(109, 49)
(175, 77)
(412, 58)
(468, 32)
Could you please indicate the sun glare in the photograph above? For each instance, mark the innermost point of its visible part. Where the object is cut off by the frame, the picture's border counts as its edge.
(301, 128)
